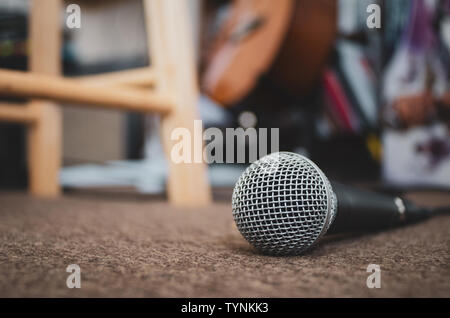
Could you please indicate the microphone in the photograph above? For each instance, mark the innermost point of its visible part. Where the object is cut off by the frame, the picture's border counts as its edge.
(283, 204)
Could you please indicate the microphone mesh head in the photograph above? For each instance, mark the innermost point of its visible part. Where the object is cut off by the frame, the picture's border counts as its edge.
(283, 203)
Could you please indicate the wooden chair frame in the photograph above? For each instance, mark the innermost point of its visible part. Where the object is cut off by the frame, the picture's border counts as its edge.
(168, 88)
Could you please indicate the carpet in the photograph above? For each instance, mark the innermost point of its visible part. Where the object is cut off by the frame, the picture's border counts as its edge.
(141, 247)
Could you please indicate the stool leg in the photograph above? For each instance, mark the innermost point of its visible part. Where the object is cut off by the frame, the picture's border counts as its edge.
(172, 55)
(44, 136)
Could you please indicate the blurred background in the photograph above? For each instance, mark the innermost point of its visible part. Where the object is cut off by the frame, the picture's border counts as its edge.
(369, 102)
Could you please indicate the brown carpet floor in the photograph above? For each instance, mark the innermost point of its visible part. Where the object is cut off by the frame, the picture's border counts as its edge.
(140, 247)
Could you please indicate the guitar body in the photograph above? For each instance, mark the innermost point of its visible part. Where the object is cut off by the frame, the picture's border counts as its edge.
(307, 46)
(290, 44)
(245, 47)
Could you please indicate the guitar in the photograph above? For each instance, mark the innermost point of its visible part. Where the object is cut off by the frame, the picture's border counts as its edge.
(245, 47)
(288, 40)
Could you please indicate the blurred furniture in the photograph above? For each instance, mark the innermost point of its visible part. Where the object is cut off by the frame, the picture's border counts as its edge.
(172, 76)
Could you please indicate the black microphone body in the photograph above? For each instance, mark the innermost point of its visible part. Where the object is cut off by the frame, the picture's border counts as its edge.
(362, 210)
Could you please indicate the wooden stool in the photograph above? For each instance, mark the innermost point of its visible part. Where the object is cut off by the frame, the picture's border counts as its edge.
(172, 76)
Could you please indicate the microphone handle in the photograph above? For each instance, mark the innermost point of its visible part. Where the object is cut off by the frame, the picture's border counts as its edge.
(362, 210)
